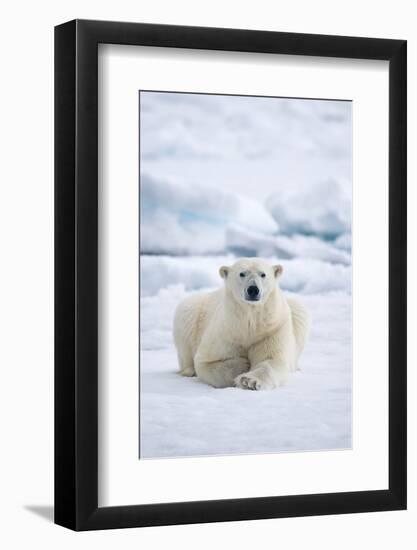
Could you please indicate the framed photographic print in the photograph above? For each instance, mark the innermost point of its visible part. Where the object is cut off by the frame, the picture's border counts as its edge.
(230, 254)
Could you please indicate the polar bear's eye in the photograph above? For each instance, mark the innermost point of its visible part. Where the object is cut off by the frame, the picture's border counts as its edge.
(263, 275)
(242, 274)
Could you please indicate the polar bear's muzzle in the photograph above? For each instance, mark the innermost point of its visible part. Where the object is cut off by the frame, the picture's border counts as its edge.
(252, 293)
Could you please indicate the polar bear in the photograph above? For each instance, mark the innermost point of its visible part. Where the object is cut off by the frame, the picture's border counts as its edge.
(247, 334)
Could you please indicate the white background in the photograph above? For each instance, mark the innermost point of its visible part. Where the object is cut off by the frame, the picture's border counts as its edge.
(122, 478)
(26, 302)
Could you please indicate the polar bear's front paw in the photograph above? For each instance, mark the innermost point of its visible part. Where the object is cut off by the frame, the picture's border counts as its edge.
(187, 371)
(238, 366)
(232, 368)
(253, 381)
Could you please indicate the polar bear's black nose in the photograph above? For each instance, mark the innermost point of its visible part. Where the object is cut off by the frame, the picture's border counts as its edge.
(253, 291)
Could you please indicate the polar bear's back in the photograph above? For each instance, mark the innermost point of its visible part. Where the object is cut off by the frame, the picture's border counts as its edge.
(191, 318)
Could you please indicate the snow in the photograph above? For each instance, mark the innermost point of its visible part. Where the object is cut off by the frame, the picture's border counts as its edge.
(344, 241)
(234, 127)
(175, 212)
(185, 417)
(246, 243)
(230, 176)
(266, 165)
(322, 209)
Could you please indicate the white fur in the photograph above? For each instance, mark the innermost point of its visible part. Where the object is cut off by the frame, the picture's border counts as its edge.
(227, 340)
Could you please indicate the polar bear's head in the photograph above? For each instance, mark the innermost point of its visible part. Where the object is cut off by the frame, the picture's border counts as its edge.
(251, 280)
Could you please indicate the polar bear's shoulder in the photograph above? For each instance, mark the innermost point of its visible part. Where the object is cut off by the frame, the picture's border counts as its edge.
(201, 300)
(192, 316)
(197, 307)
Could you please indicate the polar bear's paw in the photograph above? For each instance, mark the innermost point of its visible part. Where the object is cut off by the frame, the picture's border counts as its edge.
(187, 371)
(254, 380)
(237, 366)
(227, 372)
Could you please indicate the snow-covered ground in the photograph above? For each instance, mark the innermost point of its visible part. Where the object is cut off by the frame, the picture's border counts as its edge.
(224, 177)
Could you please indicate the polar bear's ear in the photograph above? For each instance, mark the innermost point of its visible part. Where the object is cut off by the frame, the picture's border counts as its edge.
(224, 270)
(278, 269)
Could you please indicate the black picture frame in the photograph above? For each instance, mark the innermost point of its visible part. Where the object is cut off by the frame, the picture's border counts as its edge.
(76, 272)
